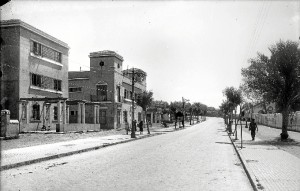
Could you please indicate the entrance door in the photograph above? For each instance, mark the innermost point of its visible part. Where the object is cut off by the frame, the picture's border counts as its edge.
(102, 118)
(118, 118)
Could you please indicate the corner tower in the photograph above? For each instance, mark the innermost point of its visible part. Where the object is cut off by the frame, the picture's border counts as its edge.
(106, 69)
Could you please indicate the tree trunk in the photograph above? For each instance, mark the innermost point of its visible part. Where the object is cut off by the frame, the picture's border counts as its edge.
(285, 120)
(235, 125)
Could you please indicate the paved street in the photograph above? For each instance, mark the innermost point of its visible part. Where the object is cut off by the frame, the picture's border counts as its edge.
(200, 157)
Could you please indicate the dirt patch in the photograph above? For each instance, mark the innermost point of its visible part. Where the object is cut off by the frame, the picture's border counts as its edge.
(33, 139)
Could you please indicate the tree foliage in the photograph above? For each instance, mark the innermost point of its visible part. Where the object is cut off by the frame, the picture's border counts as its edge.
(276, 78)
(233, 95)
(145, 99)
(225, 107)
(200, 108)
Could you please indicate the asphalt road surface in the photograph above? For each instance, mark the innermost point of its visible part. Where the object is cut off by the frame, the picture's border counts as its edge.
(197, 158)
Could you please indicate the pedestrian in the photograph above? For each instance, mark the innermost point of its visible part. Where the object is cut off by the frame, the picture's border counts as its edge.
(253, 128)
(127, 127)
(134, 125)
(141, 127)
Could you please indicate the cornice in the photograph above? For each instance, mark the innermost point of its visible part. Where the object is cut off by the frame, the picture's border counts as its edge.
(17, 22)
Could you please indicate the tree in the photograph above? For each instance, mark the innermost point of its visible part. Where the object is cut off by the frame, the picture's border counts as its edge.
(276, 78)
(144, 100)
(225, 107)
(201, 109)
(234, 96)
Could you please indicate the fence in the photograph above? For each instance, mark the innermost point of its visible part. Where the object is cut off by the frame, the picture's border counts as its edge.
(275, 120)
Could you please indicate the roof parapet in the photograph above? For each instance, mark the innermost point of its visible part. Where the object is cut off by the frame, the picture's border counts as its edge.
(105, 53)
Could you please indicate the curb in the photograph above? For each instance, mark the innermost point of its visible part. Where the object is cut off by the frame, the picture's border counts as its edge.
(245, 166)
(24, 163)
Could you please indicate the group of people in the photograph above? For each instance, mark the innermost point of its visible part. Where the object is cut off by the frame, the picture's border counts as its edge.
(134, 125)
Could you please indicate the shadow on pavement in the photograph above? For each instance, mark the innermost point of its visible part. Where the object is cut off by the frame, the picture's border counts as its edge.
(223, 143)
(274, 142)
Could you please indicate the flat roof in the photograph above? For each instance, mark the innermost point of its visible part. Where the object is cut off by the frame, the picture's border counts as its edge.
(17, 22)
(106, 53)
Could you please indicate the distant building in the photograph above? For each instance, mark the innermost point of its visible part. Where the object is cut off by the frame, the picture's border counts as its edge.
(34, 82)
(107, 84)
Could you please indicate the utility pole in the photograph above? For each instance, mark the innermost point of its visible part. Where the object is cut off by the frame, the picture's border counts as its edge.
(132, 99)
(183, 111)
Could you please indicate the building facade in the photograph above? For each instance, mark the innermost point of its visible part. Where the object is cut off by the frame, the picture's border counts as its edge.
(107, 84)
(34, 82)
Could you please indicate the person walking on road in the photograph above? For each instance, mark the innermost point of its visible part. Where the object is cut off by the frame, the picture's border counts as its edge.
(253, 128)
(141, 127)
(127, 127)
(134, 123)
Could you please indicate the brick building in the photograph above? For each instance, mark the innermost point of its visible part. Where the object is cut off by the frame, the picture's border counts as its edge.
(106, 84)
(34, 83)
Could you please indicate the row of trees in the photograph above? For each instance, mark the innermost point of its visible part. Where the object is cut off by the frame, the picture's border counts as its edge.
(270, 79)
(145, 100)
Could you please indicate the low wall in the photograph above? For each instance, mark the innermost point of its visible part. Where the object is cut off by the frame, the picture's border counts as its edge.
(63, 127)
(80, 127)
(275, 120)
(11, 130)
(35, 126)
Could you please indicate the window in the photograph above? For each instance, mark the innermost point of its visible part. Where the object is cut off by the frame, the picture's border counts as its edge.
(36, 48)
(44, 51)
(102, 92)
(45, 82)
(51, 54)
(119, 93)
(125, 94)
(102, 117)
(57, 85)
(55, 110)
(118, 117)
(74, 113)
(36, 80)
(36, 112)
(130, 94)
(77, 89)
(125, 116)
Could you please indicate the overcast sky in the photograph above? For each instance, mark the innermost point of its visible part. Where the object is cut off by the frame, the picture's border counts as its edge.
(190, 49)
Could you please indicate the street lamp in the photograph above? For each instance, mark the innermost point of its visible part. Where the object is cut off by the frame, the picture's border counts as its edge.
(136, 75)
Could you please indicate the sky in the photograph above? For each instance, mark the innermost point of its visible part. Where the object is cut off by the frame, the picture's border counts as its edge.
(190, 49)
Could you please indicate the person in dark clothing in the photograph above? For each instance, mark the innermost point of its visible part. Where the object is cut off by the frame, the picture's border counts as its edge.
(127, 127)
(134, 125)
(141, 127)
(253, 128)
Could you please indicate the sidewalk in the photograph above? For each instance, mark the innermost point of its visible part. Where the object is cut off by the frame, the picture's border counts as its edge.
(268, 167)
(28, 155)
